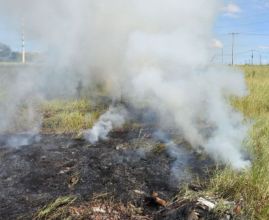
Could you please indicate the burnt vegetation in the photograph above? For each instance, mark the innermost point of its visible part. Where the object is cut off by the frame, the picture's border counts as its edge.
(57, 174)
(127, 176)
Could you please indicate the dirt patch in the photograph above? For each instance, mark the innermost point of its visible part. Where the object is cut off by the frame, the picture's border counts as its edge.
(126, 167)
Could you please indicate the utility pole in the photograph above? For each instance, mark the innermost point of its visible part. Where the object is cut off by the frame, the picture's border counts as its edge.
(233, 34)
(252, 56)
(23, 43)
(222, 55)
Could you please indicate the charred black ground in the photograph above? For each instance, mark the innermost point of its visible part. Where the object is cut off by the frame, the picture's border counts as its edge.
(50, 166)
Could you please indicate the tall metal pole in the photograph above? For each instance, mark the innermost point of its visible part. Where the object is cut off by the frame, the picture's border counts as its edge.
(232, 49)
(222, 55)
(252, 57)
(23, 58)
(233, 43)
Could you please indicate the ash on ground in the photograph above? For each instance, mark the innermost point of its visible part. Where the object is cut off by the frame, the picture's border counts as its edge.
(131, 164)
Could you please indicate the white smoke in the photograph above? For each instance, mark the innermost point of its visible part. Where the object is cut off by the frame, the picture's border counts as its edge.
(19, 91)
(113, 118)
(155, 52)
(196, 101)
(217, 44)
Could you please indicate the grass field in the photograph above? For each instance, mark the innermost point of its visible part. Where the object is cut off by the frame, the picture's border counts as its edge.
(68, 116)
(252, 185)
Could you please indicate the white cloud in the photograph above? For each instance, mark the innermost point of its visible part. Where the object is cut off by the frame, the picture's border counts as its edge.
(231, 9)
(216, 43)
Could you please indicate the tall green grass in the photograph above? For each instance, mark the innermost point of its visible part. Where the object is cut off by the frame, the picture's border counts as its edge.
(253, 184)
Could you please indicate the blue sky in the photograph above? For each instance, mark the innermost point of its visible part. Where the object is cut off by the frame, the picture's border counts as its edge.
(249, 18)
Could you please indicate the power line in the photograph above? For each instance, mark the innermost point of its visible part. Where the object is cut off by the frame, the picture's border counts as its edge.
(243, 52)
(246, 34)
(233, 34)
(243, 24)
(255, 34)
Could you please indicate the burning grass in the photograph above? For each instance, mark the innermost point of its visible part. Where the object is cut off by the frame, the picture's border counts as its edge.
(250, 185)
(126, 167)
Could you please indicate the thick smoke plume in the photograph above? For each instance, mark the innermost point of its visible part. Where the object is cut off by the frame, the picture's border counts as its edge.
(114, 118)
(153, 52)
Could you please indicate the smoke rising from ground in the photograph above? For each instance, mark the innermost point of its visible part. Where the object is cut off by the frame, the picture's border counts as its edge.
(113, 118)
(153, 52)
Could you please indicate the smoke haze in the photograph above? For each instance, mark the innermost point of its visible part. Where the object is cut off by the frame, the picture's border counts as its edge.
(153, 52)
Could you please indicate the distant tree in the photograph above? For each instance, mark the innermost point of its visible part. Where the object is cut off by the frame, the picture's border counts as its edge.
(5, 52)
(15, 57)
